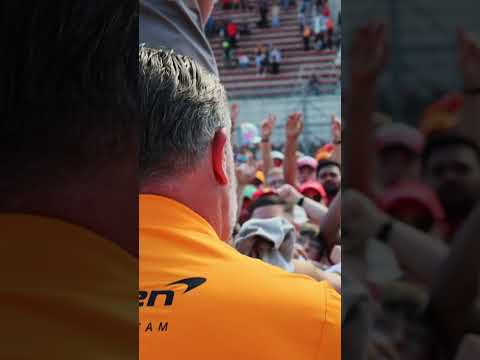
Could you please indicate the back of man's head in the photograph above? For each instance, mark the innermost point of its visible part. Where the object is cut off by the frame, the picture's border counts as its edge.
(67, 88)
(268, 206)
(182, 107)
(186, 153)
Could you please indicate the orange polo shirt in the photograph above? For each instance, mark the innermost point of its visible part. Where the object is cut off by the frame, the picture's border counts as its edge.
(201, 299)
(66, 293)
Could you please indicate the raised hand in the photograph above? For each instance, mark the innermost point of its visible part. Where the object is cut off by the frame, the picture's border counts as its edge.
(369, 53)
(246, 172)
(294, 126)
(288, 193)
(469, 60)
(267, 126)
(336, 129)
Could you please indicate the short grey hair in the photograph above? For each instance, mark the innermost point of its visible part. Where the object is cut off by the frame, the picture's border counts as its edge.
(181, 106)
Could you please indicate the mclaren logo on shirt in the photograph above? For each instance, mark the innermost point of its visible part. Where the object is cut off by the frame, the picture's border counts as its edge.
(163, 298)
(151, 298)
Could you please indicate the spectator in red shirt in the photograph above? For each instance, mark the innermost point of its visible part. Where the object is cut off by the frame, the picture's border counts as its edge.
(227, 4)
(330, 29)
(232, 33)
(326, 9)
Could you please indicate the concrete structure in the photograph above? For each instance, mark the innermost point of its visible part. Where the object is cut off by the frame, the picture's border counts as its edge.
(317, 111)
(423, 42)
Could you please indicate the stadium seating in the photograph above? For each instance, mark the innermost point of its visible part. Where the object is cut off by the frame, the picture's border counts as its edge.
(297, 66)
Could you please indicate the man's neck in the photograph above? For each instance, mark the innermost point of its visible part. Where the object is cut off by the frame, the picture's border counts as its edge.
(106, 205)
(185, 190)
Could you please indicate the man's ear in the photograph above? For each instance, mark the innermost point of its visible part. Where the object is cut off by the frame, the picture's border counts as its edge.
(219, 162)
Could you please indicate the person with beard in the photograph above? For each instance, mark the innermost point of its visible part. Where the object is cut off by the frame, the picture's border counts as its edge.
(451, 166)
(192, 282)
(330, 176)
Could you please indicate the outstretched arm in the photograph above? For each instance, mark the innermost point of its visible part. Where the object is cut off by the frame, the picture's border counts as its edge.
(316, 212)
(361, 217)
(368, 56)
(336, 129)
(307, 268)
(293, 130)
(265, 146)
(331, 222)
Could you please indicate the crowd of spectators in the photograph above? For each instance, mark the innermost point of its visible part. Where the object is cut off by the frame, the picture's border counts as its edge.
(410, 217)
(289, 202)
(317, 27)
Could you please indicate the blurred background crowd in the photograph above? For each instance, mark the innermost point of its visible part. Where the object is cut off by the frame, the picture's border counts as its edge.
(410, 216)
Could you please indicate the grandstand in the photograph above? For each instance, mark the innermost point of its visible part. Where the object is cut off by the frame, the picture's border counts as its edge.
(297, 66)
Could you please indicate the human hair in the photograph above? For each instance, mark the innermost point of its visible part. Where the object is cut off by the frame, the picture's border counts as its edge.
(308, 230)
(182, 106)
(447, 139)
(67, 88)
(266, 200)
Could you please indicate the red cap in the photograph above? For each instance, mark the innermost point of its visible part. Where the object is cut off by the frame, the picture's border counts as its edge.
(313, 185)
(263, 191)
(414, 192)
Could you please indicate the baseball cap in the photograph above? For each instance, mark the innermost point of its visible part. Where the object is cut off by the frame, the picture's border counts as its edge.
(263, 191)
(414, 193)
(277, 155)
(260, 176)
(313, 185)
(249, 191)
(307, 161)
(399, 134)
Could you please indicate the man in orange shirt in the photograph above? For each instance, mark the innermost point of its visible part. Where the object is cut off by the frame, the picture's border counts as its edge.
(199, 298)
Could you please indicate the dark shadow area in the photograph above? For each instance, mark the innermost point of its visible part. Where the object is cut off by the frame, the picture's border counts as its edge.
(411, 165)
(69, 179)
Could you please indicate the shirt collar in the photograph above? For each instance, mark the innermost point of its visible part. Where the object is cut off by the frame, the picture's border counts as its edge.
(159, 212)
